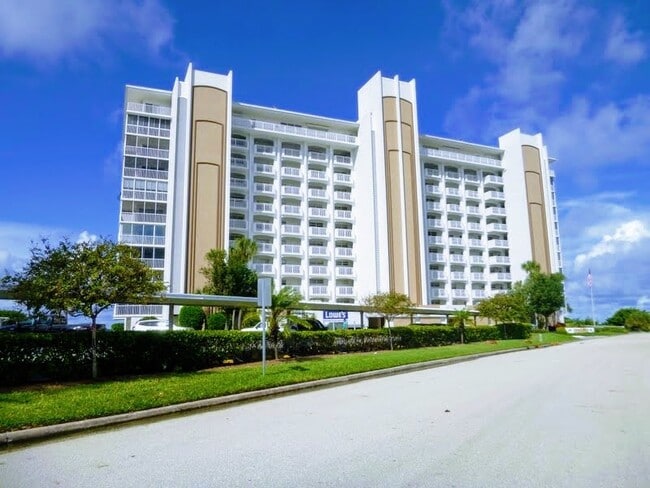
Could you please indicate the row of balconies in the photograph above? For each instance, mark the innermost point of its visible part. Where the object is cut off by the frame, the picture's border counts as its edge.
(291, 191)
(143, 217)
(287, 229)
(471, 259)
(458, 293)
(149, 108)
(314, 270)
(447, 155)
(456, 176)
(471, 194)
(143, 240)
(241, 164)
(461, 276)
(153, 174)
(313, 251)
(261, 125)
(293, 210)
(156, 196)
(142, 130)
(291, 153)
(461, 242)
(148, 152)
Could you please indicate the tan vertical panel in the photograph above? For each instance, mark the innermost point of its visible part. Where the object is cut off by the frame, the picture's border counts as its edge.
(396, 225)
(412, 223)
(536, 207)
(207, 186)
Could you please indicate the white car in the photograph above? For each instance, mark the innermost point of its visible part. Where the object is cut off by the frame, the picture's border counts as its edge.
(155, 325)
(257, 328)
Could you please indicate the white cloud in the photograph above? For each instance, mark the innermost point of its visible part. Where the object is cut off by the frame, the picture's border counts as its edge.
(624, 47)
(86, 236)
(53, 29)
(621, 240)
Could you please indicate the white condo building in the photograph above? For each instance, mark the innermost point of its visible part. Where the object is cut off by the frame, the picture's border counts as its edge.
(339, 209)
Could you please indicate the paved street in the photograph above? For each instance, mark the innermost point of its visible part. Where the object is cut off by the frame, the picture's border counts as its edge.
(576, 416)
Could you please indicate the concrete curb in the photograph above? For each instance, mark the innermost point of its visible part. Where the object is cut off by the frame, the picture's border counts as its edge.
(40, 433)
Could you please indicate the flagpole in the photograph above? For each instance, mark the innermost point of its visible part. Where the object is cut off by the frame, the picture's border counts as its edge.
(593, 315)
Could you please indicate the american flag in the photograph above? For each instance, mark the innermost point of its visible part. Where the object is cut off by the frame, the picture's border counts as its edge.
(590, 280)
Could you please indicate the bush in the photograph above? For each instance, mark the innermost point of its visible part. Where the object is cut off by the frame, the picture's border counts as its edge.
(638, 320)
(191, 316)
(250, 320)
(216, 321)
(13, 315)
(117, 327)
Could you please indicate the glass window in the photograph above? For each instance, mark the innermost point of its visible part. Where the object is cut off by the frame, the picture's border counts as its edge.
(137, 229)
(139, 184)
(128, 183)
(162, 186)
(147, 253)
(160, 231)
(148, 230)
(159, 253)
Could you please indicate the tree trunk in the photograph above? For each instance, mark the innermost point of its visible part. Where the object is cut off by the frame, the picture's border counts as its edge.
(93, 333)
(390, 336)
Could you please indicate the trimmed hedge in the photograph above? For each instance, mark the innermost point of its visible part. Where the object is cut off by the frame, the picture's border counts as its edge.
(216, 321)
(191, 316)
(56, 357)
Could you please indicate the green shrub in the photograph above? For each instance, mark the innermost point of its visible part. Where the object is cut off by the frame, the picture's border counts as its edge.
(216, 321)
(117, 327)
(13, 315)
(250, 319)
(191, 316)
(638, 320)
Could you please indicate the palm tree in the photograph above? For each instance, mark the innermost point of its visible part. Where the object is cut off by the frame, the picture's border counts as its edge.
(282, 303)
(243, 250)
(461, 316)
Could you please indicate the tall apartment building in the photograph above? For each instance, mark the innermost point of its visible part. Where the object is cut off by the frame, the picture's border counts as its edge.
(339, 209)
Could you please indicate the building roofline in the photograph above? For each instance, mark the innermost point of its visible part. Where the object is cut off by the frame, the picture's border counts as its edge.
(464, 144)
(347, 124)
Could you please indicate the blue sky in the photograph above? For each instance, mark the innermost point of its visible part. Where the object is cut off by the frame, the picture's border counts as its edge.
(577, 71)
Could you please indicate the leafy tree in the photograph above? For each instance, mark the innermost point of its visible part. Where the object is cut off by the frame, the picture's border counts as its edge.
(620, 316)
(83, 279)
(461, 316)
(283, 303)
(229, 274)
(389, 305)
(638, 320)
(191, 316)
(216, 321)
(505, 307)
(544, 292)
(13, 315)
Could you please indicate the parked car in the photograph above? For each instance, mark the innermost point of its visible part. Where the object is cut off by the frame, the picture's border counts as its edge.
(159, 325)
(258, 327)
(308, 324)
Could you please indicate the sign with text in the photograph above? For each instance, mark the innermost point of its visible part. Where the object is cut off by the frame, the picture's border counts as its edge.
(335, 315)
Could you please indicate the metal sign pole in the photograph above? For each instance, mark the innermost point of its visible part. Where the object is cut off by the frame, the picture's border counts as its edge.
(264, 300)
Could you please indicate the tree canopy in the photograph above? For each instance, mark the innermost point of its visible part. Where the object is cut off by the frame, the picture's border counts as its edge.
(283, 303)
(544, 292)
(389, 305)
(620, 316)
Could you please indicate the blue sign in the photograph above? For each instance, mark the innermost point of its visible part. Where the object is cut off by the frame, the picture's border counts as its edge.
(335, 315)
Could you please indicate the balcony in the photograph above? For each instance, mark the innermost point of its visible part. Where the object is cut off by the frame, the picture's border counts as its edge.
(478, 294)
(145, 218)
(456, 156)
(473, 259)
(454, 224)
(344, 271)
(291, 269)
(317, 194)
(494, 179)
(263, 268)
(452, 192)
(343, 214)
(437, 293)
(293, 210)
(473, 210)
(154, 263)
(318, 291)
(454, 208)
(343, 178)
(315, 175)
(291, 229)
(435, 223)
(264, 149)
(499, 260)
(239, 143)
(456, 293)
(457, 258)
(434, 206)
(266, 208)
(293, 249)
(500, 277)
(148, 152)
(289, 172)
(458, 276)
(498, 244)
(263, 228)
(238, 224)
(318, 213)
(343, 234)
(263, 188)
(317, 250)
(343, 252)
(149, 108)
(456, 242)
(494, 195)
(449, 175)
(474, 226)
(289, 190)
(432, 189)
(317, 231)
(475, 243)
(491, 211)
(143, 240)
(437, 257)
(344, 196)
(317, 156)
(497, 227)
(265, 248)
(266, 169)
(472, 178)
(431, 173)
(152, 174)
(238, 163)
(472, 194)
(318, 271)
(240, 183)
(342, 160)
(435, 240)
(345, 291)
(290, 129)
(437, 275)
(288, 152)
(477, 276)
(144, 195)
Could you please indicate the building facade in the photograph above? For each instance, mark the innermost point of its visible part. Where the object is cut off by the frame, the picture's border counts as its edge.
(339, 209)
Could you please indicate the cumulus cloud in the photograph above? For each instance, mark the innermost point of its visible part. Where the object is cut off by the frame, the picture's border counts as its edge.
(53, 29)
(624, 47)
(86, 236)
(623, 239)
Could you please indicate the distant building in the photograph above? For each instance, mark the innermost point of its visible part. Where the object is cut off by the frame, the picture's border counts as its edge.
(339, 209)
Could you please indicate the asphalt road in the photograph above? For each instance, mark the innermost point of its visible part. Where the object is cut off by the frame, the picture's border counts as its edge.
(576, 416)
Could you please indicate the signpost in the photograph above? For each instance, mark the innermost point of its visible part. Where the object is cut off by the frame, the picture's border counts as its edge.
(264, 300)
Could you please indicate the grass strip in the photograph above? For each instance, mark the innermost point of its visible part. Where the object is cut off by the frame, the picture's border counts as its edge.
(49, 404)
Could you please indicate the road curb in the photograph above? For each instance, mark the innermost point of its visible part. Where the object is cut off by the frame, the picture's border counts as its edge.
(40, 433)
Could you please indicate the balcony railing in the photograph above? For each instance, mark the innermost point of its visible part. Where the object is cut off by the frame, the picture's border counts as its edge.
(497, 227)
(456, 241)
(264, 149)
(477, 276)
(495, 211)
(141, 217)
(456, 258)
(312, 174)
(317, 231)
(458, 276)
(454, 224)
(143, 240)
(454, 192)
(456, 156)
(148, 152)
(317, 156)
(435, 240)
(472, 178)
(474, 226)
(264, 169)
(240, 143)
(344, 271)
(290, 152)
(499, 260)
(238, 183)
(454, 208)
(437, 275)
(265, 248)
(289, 129)
(342, 178)
(343, 233)
(343, 252)
(497, 243)
(153, 174)
(263, 268)
(239, 203)
(431, 173)
(318, 291)
(148, 108)
(437, 293)
(343, 214)
(291, 229)
(500, 276)
(494, 179)
(290, 172)
(317, 193)
(318, 270)
(263, 207)
(435, 223)
(472, 194)
(263, 227)
(346, 291)
(474, 210)
(317, 212)
(144, 195)
(495, 195)
(344, 160)
(317, 251)
(452, 176)
(478, 294)
(292, 269)
(291, 210)
(266, 188)
(434, 189)
(456, 293)
(147, 131)
(475, 242)
(476, 259)
(290, 190)
(436, 257)
(343, 195)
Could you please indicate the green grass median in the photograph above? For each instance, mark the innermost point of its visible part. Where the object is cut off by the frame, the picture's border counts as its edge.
(48, 404)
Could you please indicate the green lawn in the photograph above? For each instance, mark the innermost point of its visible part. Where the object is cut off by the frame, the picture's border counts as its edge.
(49, 404)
